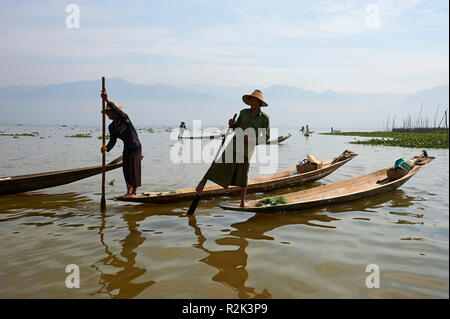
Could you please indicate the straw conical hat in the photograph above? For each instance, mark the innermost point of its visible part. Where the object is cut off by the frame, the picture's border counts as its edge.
(257, 94)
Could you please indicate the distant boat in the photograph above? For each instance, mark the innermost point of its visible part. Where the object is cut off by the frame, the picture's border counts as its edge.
(205, 137)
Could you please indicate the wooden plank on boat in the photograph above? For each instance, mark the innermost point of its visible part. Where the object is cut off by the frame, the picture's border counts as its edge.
(352, 189)
(31, 182)
(263, 183)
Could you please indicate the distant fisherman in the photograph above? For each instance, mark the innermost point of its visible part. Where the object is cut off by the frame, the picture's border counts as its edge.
(182, 128)
(235, 173)
(121, 127)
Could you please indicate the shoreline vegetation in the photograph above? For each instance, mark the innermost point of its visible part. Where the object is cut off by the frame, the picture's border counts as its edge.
(436, 139)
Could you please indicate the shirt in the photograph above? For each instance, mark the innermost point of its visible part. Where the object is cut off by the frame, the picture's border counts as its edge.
(122, 128)
(247, 121)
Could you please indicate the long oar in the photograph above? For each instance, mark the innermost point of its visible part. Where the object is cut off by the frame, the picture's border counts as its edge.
(103, 200)
(196, 200)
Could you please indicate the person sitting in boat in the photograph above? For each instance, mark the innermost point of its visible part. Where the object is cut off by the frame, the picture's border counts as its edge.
(182, 128)
(235, 173)
(121, 127)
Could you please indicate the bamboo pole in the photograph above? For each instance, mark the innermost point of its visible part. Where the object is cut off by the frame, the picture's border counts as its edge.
(103, 200)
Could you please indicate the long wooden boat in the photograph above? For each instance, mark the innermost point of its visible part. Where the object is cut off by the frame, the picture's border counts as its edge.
(259, 184)
(31, 182)
(348, 190)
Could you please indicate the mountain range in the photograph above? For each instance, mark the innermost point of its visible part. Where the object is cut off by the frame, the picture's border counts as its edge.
(161, 104)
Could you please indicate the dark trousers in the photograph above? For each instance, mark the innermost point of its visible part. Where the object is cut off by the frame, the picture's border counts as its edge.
(132, 166)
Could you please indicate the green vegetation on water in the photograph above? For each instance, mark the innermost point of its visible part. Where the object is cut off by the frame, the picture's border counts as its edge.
(150, 130)
(437, 139)
(80, 135)
(107, 137)
(17, 135)
(271, 201)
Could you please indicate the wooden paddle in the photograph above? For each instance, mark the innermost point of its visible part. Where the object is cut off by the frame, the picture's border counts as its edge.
(196, 199)
(103, 200)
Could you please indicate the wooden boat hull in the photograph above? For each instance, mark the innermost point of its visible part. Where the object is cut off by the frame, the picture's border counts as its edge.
(258, 184)
(25, 183)
(335, 193)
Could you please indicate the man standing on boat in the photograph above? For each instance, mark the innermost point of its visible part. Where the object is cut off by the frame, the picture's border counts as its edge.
(182, 128)
(236, 172)
(121, 127)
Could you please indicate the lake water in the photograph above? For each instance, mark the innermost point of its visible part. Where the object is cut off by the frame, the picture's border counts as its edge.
(156, 251)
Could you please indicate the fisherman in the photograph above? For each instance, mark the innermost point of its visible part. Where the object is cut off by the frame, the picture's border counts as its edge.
(302, 129)
(121, 127)
(307, 128)
(236, 172)
(182, 128)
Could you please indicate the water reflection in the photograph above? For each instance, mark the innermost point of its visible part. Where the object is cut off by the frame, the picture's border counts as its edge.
(19, 206)
(397, 199)
(230, 263)
(123, 279)
(118, 271)
(39, 201)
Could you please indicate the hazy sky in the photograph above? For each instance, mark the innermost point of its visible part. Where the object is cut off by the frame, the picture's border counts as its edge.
(316, 45)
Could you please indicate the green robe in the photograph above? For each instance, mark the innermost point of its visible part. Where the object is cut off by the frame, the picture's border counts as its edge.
(234, 173)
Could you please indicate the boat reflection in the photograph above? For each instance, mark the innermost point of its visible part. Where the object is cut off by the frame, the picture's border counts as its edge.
(230, 263)
(123, 279)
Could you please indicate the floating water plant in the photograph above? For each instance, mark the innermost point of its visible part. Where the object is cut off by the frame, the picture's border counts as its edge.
(17, 135)
(80, 135)
(272, 201)
(438, 139)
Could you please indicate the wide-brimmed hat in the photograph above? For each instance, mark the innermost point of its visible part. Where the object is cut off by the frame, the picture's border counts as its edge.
(108, 108)
(256, 94)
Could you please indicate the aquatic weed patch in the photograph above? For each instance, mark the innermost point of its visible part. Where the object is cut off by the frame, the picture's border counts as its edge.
(437, 139)
(80, 135)
(272, 201)
(17, 135)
